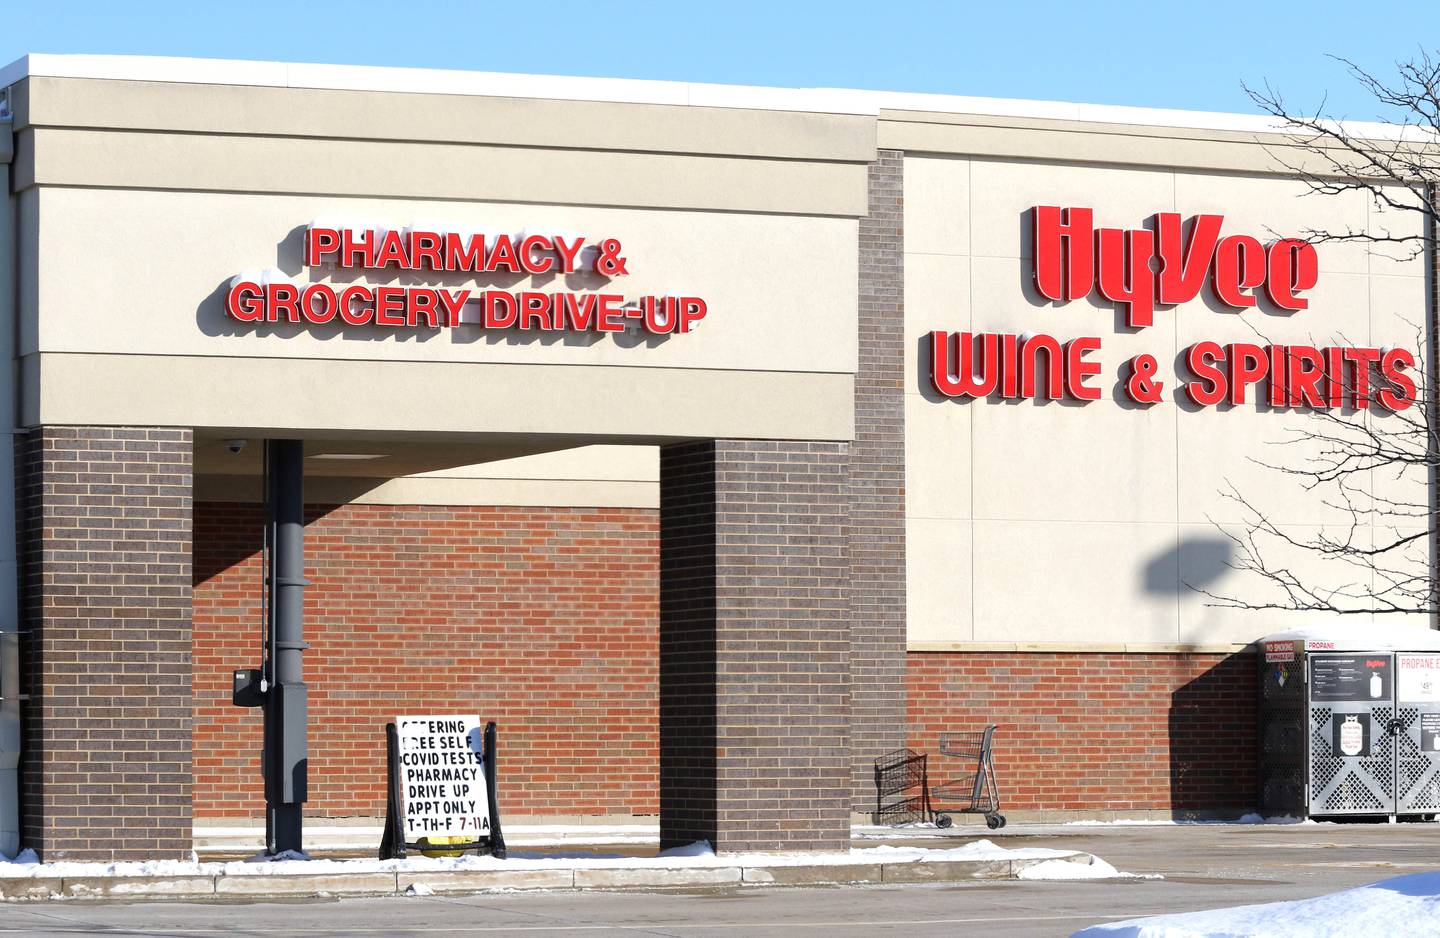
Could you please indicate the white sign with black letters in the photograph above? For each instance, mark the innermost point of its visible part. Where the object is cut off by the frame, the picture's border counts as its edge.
(442, 776)
(1419, 678)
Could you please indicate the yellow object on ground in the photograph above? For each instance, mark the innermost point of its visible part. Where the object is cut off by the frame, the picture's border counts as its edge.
(428, 843)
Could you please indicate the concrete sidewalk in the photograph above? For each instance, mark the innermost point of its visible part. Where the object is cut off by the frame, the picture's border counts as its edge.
(653, 873)
(1204, 866)
(1304, 854)
(1318, 855)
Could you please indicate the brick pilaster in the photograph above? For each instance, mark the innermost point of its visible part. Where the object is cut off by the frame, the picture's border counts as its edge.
(104, 519)
(754, 645)
(877, 484)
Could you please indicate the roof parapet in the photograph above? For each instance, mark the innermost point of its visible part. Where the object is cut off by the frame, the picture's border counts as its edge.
(622, 90)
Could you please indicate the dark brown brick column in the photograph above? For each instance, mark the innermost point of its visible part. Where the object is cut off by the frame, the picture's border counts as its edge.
(104, 516)
(877, 485)
(754, 645)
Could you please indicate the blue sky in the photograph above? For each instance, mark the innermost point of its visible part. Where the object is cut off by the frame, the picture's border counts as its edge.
(1161, 54)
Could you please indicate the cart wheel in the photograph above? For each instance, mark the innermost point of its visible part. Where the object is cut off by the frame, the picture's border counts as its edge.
(943, 821)
(994, 821)
(1003, 822)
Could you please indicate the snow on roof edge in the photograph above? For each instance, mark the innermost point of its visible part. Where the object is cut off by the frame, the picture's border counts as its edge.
(1368, 636)
(619, 90)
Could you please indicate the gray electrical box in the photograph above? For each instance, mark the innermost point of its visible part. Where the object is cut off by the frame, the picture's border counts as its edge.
(1350, 722)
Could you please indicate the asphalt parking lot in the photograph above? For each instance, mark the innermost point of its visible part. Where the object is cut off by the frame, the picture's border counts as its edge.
(1203, 866)
(1319, 856)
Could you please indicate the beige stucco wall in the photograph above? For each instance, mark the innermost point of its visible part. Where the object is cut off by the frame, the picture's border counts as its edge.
(1063, 523)
(1028, 524)
(176, 188)
(781, 288)
(181, 106)
(583, 477)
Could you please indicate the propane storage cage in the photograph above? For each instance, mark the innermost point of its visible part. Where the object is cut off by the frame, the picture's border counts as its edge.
(1350, 722)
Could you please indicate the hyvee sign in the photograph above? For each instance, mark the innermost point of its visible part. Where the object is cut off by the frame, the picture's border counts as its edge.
(1165, 265)
(430, 255)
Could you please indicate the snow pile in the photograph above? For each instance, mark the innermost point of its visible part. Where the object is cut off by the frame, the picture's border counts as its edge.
(280, 857)
(1065, 869)
(1406, 905)
(976, 850)
(365, 837)
(1372, 636)
(1251, 818)
(916, 831)
(700, 848)
(27, 864)
(694, 855)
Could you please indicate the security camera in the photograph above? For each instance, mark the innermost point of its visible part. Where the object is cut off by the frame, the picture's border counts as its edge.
(235, 446)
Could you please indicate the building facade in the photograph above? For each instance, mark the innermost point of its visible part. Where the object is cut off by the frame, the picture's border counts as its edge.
(714, 441)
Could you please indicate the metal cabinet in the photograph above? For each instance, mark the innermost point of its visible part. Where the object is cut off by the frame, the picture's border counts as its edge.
(1349, 731)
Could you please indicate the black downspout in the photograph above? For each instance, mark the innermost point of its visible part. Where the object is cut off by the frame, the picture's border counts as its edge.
(285, 701)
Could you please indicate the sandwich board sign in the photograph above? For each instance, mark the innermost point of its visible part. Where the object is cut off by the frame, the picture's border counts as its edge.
(442, 785)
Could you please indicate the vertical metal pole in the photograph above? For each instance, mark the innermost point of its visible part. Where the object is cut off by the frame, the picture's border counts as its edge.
(9, 569)
(1432, 391)
(267, 615)
(285, 700)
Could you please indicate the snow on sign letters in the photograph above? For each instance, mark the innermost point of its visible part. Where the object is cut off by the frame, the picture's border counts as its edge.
(442, 776)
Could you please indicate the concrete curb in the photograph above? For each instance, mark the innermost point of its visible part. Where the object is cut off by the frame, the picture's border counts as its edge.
(474, 881)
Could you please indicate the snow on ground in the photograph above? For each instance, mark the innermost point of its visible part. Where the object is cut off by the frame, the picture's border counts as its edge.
(366, 837)
(346, 837)
(1136, 822)
(930, 831)
(1405, 905)
(1251, 818)
(700, 854)
(1095, 869)
(975, 850)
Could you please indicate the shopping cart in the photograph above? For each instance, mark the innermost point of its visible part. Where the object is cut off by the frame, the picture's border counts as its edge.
(902, 788)
(975, 791)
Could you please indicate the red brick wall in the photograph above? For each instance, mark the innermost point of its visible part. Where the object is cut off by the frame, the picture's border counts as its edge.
(1097, 731)
(546, 619)
(543, 619)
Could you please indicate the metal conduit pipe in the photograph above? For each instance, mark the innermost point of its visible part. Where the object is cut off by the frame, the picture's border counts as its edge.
(9, 568)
